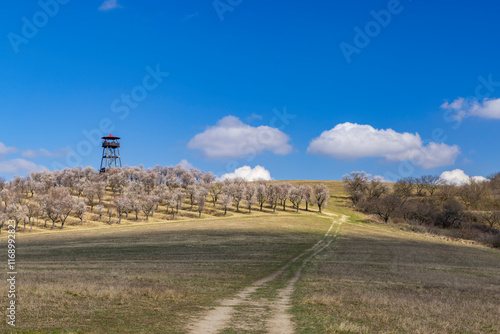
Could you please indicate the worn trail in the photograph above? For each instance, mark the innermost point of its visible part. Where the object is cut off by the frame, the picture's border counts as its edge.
(248, 312)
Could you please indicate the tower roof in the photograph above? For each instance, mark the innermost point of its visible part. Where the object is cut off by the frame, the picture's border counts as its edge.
(111, 137)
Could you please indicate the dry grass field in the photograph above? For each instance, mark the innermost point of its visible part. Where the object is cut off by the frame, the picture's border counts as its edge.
(148, 277)
(161, 276)
(376, 279)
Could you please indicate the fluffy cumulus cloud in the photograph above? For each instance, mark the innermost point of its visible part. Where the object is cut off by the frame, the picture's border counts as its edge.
(109, 5)
(19, 166)
(351, 141)
(186, 164)
(249, 174)
(231, 138)
(461, 108)
(458, 177)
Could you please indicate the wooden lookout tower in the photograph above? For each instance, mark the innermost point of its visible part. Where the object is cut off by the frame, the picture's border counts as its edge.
(110, 153)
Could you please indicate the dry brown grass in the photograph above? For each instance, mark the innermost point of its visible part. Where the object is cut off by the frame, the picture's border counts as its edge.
(148, 278)
(155, 276)
(380, 280)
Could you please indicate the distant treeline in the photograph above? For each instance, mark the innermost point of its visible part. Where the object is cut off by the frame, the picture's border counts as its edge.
(469, 211)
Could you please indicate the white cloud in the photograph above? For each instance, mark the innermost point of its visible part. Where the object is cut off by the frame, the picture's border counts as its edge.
(461, 108)
(231, 138)
(186, 164)
(458, 177)
(352, 141)
(7, 150)
(249, 174)
(109, 5)
(19, 166)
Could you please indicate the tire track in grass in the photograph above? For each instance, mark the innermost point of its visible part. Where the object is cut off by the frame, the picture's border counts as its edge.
(280, 320)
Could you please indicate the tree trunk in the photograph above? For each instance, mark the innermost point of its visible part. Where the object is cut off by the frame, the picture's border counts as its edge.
(225, 211)
(199, 216)
(119, 219)
(307, 206)
(319, 206)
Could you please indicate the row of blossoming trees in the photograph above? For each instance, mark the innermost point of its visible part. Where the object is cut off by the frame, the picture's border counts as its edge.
(75, 192)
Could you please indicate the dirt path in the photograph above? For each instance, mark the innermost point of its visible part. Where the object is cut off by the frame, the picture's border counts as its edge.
(248, 312)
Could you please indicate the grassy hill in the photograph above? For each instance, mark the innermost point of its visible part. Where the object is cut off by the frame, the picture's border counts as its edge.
(160, 276)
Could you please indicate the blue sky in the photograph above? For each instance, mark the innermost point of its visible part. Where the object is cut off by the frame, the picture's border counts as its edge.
(235, 67)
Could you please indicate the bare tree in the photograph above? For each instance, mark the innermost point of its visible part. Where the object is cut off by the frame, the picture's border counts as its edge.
(191, 194)
(215, 191)
(122, 205)
(17, 212)
(283, 191)
(100, 210)
(492, 218)
(179, 197)
(66, 205)
(58, 204)
(431, 183)
(201, 198)
(236, 188)
(173, 202)
(90, 190)
(273, 195)
(249, 196)
(452, 214)
(419, 186)
(375, 189)
(355, 185)
(295, 197)
(260, 193)
(33, 210)
(80, 209)
(226, 202)
(147, 203)
(306, 191)
(473, 193)
(384, 207)
(321, 194)
(404, 188)
(446, 192)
